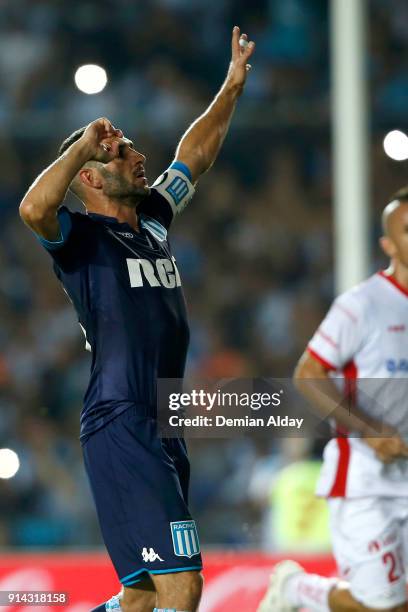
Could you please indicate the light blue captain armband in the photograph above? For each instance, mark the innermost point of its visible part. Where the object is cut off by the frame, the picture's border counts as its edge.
(178, 165)
(175, 186)
(65, 223)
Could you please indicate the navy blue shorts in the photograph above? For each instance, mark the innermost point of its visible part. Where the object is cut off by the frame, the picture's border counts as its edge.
(140, 487)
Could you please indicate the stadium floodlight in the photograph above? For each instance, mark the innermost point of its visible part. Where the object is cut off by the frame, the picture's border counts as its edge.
(91, 79)
(9, 463)
(396, 145)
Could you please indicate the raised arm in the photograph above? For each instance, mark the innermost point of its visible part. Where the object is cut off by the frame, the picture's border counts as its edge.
(200, 145)
(39, 206)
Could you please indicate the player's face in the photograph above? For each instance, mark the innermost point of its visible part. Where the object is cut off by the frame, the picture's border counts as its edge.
(124, 176)
(395, 244)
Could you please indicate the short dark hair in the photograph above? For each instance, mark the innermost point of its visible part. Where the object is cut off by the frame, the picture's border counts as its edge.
(401, 195)
(71, 139)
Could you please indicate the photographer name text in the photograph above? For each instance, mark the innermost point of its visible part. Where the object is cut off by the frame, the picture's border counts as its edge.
(222, 421)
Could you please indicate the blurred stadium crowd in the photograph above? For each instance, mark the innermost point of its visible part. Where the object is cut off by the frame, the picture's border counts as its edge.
(254, 248)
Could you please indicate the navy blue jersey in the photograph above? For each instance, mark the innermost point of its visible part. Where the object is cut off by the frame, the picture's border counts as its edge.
(126, 290)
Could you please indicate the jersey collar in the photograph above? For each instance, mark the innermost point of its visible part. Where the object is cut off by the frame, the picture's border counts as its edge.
(103, 218)
(109, 220)
(394, 282)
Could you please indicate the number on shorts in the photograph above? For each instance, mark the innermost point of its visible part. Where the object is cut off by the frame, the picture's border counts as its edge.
(391, 562)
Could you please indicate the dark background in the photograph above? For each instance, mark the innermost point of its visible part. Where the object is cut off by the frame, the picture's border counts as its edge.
(254, 247)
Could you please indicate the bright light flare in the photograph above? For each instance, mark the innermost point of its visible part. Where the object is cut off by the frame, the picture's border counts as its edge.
(396, 145)
(9, 463)
(91, 79)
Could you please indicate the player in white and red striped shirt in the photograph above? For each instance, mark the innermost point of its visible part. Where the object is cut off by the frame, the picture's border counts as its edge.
(361, 349)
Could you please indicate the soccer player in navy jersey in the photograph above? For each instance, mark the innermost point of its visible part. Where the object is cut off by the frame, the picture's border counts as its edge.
(116, 266)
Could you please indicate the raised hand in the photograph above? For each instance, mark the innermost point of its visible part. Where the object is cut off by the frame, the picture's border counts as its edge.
(98, 135)
(241, 52)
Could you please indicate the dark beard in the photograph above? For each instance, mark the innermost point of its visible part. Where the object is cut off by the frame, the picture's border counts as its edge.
(118, 188)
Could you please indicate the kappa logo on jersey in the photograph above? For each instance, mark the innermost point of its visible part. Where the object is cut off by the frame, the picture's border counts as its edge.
(185, 538)
(126, 234)
(178, 188)
(150, 555)
(163, 274)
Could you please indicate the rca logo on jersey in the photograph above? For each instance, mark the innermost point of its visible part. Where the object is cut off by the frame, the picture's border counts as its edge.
(397, 365)
(150, 556)
(185, 538)
(163, 273)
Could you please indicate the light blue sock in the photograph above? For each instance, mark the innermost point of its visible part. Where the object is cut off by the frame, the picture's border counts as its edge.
(113, 605)
(167, 610)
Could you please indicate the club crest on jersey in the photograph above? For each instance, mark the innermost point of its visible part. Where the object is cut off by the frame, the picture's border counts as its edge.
(185, 538)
